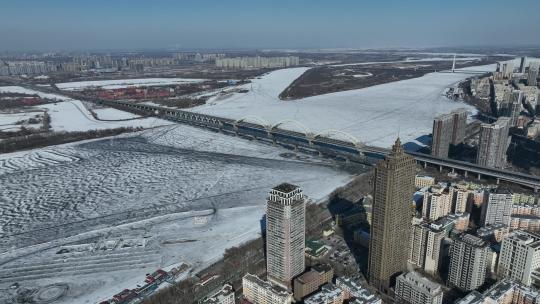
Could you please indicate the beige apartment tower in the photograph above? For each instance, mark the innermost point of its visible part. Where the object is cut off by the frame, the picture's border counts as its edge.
(285, 234)
(392, 217)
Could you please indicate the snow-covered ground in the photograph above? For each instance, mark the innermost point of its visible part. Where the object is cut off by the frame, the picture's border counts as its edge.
(71, 115)
(183, 194)
(373, 115)
(124, 83)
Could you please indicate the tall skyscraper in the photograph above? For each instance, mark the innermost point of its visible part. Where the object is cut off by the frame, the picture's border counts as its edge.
(497, 208)
(391, 218)
(285, 234)
(448, 129)
(514, 107)
(520, 256)
(468, 260)
(494, 142)
(532, 76)
(415, 289)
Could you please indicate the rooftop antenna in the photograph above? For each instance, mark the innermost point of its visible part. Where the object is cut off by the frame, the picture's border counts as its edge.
(454, 64)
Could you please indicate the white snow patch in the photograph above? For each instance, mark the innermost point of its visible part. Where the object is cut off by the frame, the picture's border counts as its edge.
(124, 83)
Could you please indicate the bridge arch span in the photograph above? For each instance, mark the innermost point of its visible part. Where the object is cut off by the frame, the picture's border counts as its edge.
(350, 137)
(298, 124)
(253, 118)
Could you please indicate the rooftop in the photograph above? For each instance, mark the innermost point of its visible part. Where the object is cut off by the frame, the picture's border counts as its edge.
(285, 187)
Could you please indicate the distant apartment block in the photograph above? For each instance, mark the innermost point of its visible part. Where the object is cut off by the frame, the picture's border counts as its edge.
(498, 207)
(312, 280)
(520, 256)
(415, 289)
(468, 262)
(508, 69)
(257, 62)
(258, 291)
(493, 144)
(285, 234)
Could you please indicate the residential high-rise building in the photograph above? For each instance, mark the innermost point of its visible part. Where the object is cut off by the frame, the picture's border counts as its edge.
(468, 262)
(508, 69)
(425, 250)
(437, 203)
(258, 291)
(392, 217)
(285, 234)
(442, 135)
(522, 65)
(497, 209)
(459, 125)
(532, 76)
(448, 129)
(514, 107)
(520, 256)
(494, 142)
(413, 288)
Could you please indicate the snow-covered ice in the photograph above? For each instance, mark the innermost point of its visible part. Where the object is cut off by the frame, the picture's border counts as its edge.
(124, 83)
(185, 193)
(373, 115)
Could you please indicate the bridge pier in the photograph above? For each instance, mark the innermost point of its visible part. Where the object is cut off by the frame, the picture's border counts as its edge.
(479, 176)
(466, 173)
(425, 165)
(453, 170)
(498, 180)
(320, 154)
(440, 168)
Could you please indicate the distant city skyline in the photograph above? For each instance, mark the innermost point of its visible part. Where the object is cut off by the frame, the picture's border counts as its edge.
(103, 25)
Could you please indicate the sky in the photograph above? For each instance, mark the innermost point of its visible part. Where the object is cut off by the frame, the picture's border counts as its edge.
(53, 25)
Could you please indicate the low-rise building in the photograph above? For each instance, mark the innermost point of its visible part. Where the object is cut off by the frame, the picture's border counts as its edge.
(421, 181)
(312, 280)
(413, 288)
(354, 290)
(258, 291)
(224, 296)
(495, 232)
(506, 291)
(329, 294)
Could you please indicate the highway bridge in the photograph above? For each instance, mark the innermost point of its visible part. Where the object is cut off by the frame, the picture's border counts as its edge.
(350, 150)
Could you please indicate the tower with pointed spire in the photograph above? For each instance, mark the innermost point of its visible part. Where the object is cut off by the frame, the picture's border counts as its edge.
(391, 217)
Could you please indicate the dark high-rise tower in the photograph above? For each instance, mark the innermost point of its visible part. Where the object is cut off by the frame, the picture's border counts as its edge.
(392, 216)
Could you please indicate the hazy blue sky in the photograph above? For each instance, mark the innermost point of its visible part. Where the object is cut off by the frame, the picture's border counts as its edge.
(114, 24)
